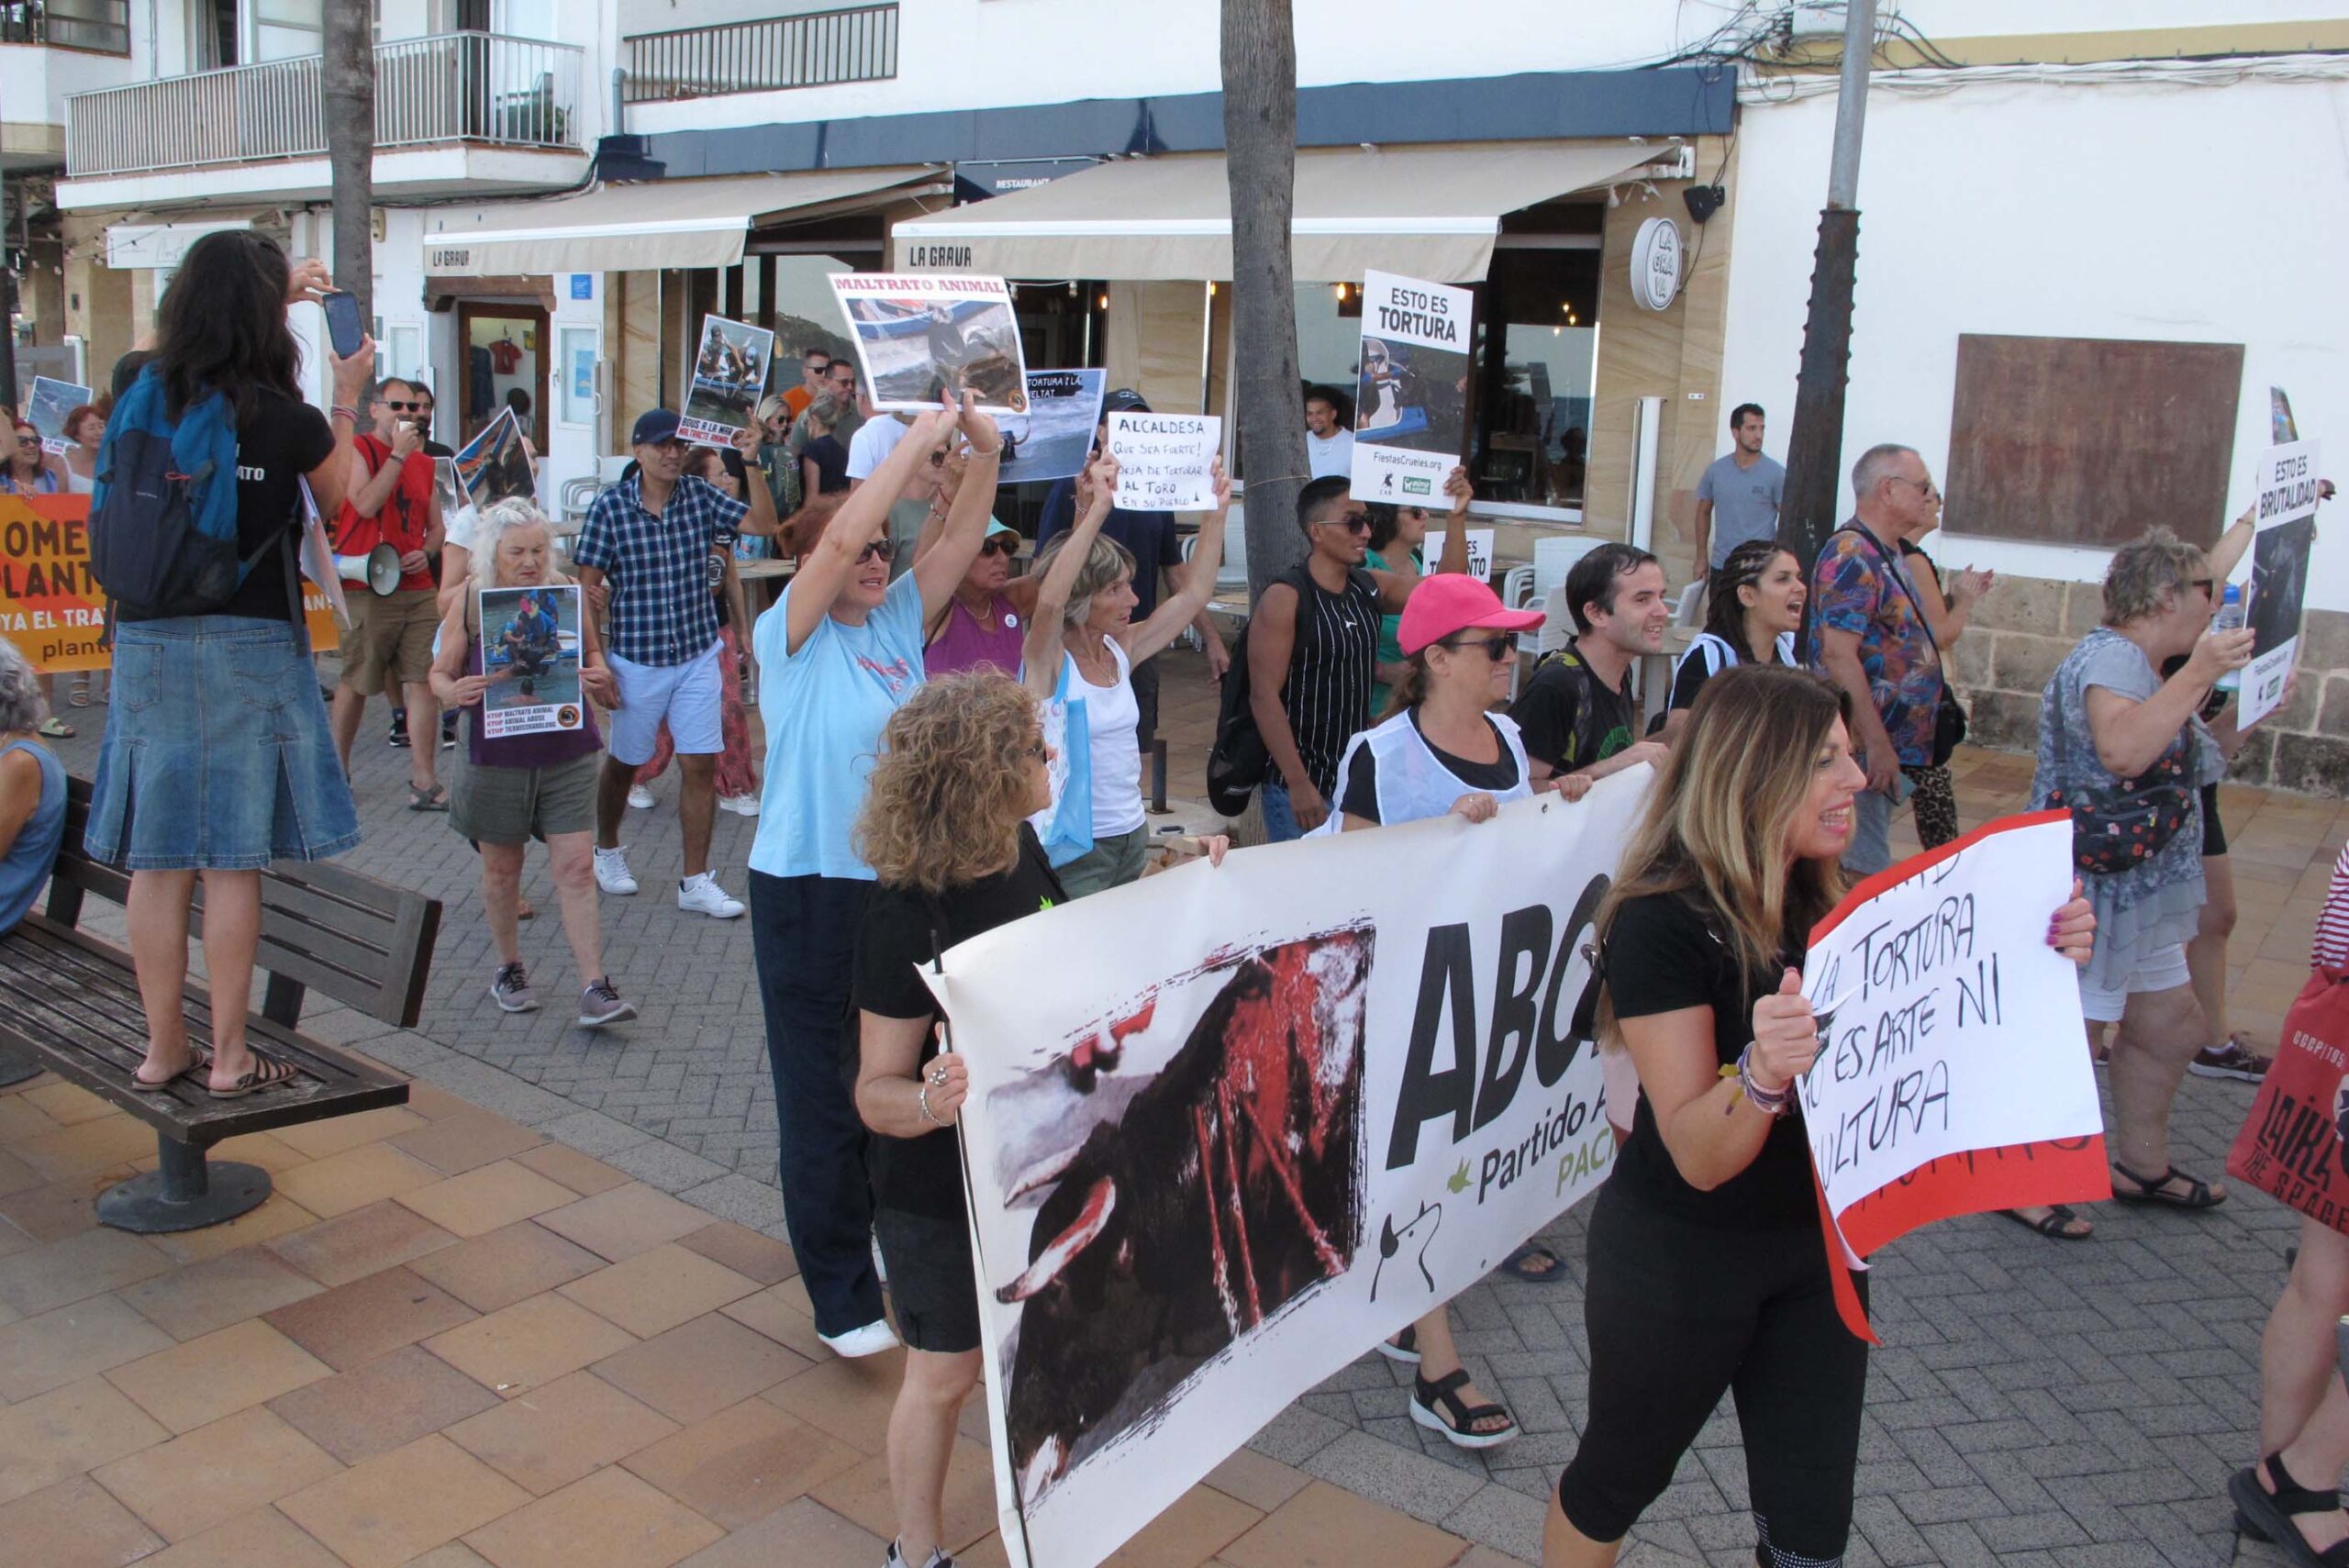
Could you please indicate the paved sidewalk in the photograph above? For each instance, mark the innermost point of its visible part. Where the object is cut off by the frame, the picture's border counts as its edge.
(2035, 1403)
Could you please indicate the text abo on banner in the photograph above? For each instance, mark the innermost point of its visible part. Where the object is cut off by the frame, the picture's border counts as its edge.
(52, 608)
(1230, 1126)
(1952, 1074)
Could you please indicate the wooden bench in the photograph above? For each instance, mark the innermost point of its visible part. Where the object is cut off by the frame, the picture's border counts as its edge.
(70, 1002)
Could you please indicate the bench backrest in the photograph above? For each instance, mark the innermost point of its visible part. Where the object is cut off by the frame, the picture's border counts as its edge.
(365, 943)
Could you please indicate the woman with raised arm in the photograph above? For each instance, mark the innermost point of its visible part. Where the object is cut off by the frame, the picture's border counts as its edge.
(189, 786)
(1083, 644)
(1708, 1274)
(840, 652)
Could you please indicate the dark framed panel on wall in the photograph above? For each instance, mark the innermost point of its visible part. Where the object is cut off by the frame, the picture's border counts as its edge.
(2092, 440)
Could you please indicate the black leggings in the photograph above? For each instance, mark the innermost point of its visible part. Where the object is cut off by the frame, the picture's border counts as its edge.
(1677, 1314)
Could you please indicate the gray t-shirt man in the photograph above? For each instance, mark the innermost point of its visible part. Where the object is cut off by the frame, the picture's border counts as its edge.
(1745, 502)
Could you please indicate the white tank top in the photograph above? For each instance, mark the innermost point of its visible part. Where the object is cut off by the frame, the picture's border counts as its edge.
(1112, 716)
(1412, 781)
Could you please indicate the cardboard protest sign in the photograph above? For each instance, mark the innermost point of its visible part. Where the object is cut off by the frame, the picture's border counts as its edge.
(729, 376)
(1410, 405)
(493, 465)
(52, 607)
(2280, 549)
(47, 408)
(916, 334)
(530, 651)
(1228, 1128)
(1480, 551)
(1165, 461)
(1953, 1074)
(1055, 439)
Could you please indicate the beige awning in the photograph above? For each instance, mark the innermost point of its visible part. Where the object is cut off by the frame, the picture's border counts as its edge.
(649, 225)
(1425, 212)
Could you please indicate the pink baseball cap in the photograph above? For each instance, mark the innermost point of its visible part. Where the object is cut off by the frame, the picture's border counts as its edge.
(1452, 602)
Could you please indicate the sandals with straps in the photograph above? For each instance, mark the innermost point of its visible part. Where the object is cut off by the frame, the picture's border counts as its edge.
(267, 1073)
(2153, 1191)
(2056, 1224)
(1404, 1346)
(201, 1063)
(1522, 1264)
(1459, 1419)
(2268, 1516)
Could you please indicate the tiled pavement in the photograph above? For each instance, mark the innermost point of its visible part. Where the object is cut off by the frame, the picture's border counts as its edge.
(2034, 1405)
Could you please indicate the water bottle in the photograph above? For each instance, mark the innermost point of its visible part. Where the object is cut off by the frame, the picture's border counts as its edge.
(2229, 619)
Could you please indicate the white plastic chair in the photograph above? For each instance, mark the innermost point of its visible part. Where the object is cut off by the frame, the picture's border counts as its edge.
(1692, 601)
(1517, 587)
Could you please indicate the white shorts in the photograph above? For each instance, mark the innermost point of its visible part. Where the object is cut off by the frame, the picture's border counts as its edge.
(686, 694)
(2163, 969)
(1622, 1081)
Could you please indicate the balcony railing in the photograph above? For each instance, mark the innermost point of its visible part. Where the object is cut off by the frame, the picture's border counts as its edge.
(101, 26)
(818, 49)
(449, 87)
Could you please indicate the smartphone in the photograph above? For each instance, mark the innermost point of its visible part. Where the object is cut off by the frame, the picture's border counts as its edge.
(344, 329)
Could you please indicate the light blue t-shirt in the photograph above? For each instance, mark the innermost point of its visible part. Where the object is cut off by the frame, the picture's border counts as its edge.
(824, 708)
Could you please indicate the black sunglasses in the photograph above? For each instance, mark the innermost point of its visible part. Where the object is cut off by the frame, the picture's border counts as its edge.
(1495, 648)
(1354, 522)
(886, 549)
(1000, 544)
(398, 408)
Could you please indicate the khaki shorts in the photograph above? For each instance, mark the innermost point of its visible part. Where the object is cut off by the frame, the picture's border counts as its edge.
(390, 640)
(513, 805)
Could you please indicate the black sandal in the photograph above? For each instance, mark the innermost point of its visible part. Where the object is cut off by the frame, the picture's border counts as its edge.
(1514, 1264)
(1404, 1346)
(2055, 1223)
(1458, 1422)
(2153, 1191)
(267, 1074)
(2265, 1516)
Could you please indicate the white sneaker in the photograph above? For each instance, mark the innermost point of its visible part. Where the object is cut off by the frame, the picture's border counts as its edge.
(611, 871)
(702, 895)
(640, 797)
(739, 805)
(870, 1341)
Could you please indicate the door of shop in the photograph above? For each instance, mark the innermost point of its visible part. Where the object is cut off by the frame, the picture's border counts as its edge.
(504, 352)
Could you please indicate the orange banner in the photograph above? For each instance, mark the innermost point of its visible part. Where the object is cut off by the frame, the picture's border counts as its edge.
(52, 607)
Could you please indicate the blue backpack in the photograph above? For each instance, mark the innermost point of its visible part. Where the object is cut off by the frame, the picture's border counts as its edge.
(163, 510)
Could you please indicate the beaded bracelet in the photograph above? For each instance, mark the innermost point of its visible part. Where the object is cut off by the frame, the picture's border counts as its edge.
(1770, 1102)
(343, 411)
(923, 1098)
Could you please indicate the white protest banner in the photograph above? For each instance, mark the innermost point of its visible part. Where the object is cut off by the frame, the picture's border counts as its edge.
(918, 333)
(1057, 438)
(2285, 517)
(1410, 403)
(1952, 1074)
(730, 372)
(46, 410)
(530, 651)
(1480, 551)
(1163, 461)
(1230, 1127)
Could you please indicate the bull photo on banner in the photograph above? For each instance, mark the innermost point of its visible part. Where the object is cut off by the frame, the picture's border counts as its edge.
(730, 375)
(918, 335)
(529, 651)
(1230, 1126)
(1411, 398)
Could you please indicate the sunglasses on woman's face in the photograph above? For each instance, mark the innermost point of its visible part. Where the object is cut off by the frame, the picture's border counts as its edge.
(1495, 648)
(1001, 544)
(884, 548)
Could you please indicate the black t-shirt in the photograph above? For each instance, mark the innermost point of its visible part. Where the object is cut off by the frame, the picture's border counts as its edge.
(1663, 956)
(902, 930)
(1570, 719)
(284, 439)
(831, 463)
(1360, 783)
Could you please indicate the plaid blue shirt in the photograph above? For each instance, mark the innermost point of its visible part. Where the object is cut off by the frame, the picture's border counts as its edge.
(662, 611)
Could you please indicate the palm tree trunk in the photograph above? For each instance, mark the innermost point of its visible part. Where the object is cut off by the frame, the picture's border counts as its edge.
(347, 76)
(1259, 154)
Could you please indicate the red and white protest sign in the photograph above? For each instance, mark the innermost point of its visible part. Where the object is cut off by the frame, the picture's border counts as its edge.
(1952, 1075)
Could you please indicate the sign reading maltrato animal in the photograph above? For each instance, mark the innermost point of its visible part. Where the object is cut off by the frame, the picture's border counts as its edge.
(919, 334)
(1412, 397)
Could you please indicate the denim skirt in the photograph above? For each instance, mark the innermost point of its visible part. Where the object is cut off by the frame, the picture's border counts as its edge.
(217, 754)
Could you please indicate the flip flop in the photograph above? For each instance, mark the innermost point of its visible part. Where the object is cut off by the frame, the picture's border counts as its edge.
(2054, 1224)
(56, 728)
(268, 1073)
(1514, 1264)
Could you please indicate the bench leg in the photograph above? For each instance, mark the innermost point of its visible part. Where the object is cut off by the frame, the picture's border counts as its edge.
(186, 1192)
(16, 1069)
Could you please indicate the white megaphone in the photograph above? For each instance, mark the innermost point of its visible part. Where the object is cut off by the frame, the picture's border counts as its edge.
(379, 569)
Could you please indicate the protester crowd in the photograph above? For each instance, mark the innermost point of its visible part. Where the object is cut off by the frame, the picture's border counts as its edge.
(949, 746)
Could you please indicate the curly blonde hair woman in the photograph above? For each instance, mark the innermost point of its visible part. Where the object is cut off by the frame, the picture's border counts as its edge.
(963, 765)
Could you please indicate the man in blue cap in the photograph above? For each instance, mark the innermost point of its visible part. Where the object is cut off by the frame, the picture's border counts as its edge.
(650, 538)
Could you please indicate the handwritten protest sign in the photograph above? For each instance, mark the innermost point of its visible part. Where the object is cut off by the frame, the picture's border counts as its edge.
(1229, 1128)
(1480, 551)
(916, 334)
(1952, 1074)
(1411, 400)
(2285, 521)
(1163, 460)
(52, 607)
